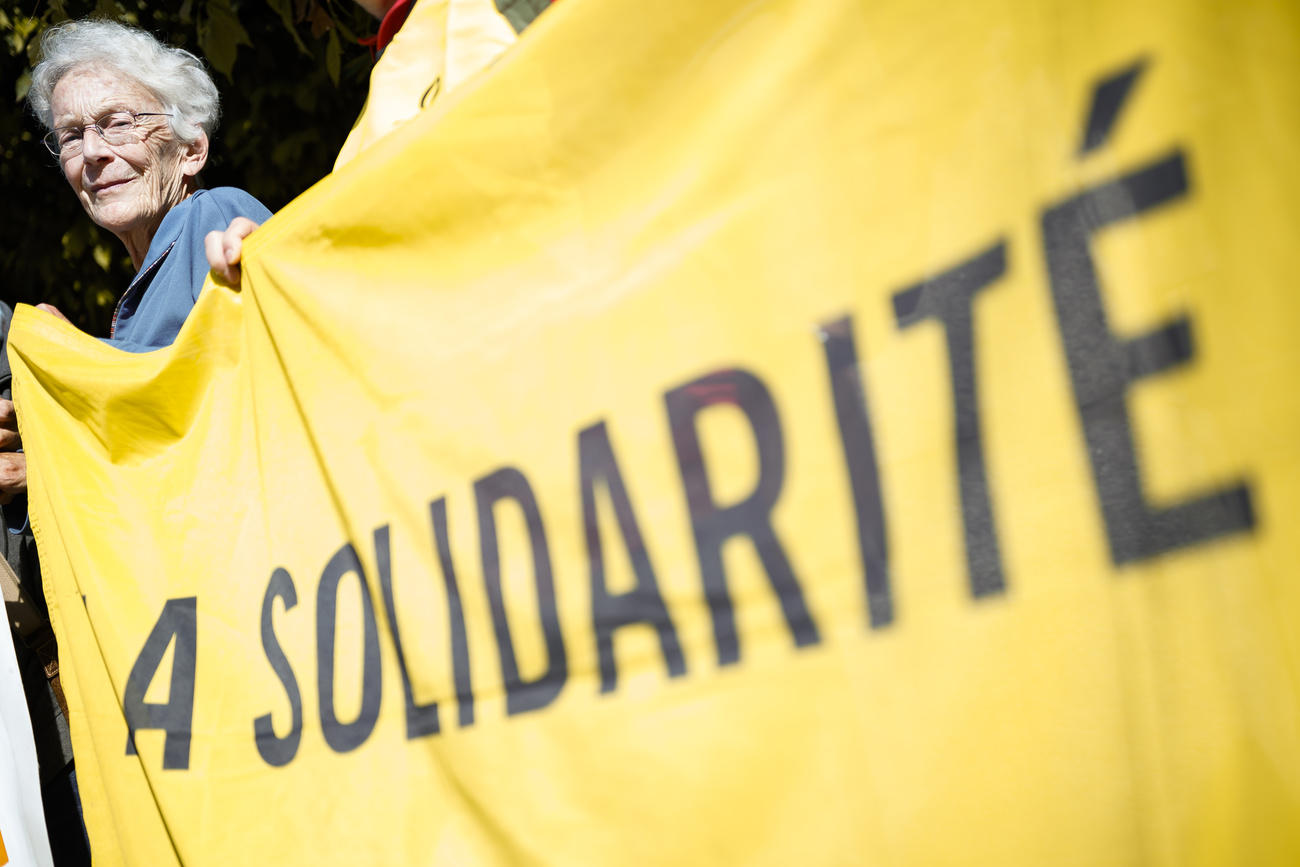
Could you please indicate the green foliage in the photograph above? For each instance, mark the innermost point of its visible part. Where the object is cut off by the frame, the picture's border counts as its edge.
(292, 79)
(220, 35)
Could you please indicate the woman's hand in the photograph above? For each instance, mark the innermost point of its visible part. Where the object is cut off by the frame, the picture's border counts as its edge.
(225, 249)
(13, 465)
(54, 311)
(9, 440)
(13, 475)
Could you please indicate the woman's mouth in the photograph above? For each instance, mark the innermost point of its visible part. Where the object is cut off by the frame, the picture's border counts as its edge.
(108, 185)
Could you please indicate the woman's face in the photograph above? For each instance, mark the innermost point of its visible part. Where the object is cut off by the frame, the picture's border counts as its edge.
(125, 188)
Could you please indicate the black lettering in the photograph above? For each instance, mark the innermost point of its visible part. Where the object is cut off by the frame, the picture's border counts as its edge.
(1104, 366)
(344, 737)
(950, 298)
(643, 603)
(1108, 98)
(274, 750)
(421, 719)
(179, 621)
(459, 640)
(713, 524)
(849, 393)
(521, 695)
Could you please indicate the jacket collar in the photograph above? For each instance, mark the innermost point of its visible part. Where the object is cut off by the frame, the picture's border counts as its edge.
(168, 231)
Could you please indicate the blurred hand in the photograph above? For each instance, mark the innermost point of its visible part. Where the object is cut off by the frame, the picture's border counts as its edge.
(13, 475)
(225, 249)
(51, 309)
(8, 426)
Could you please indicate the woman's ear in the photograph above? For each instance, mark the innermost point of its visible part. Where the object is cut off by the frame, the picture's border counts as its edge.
(195, 155)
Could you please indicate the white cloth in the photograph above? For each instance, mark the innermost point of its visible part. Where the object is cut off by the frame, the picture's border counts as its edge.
(22, 820)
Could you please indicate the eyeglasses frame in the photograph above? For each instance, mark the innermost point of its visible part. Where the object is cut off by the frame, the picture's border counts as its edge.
(51, 140)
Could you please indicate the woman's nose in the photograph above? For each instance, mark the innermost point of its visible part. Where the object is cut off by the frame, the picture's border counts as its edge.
(93, 147)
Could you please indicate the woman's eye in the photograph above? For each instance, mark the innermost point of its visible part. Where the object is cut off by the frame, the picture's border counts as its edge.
(68, 135)
(115, 122)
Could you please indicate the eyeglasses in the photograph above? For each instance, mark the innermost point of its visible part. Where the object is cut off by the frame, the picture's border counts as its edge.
(114, 128)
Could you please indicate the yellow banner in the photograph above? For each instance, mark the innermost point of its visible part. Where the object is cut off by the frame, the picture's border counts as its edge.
(759, 432)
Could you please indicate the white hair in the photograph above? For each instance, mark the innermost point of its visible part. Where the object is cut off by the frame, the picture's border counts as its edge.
(173, 75)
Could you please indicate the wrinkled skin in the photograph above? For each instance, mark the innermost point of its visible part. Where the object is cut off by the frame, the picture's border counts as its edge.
(13, 465)
(128, 188)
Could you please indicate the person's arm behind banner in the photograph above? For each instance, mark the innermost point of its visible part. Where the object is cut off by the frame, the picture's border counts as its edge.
(13, 463)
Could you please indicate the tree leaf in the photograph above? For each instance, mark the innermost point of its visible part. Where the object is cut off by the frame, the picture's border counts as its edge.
(284, 9)
(320, 20)
(21, 28)
(109, 9)
(333, 56)
(339, 21)
(220, 35)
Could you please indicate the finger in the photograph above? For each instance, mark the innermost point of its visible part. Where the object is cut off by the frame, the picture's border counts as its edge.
(232, 240)
(9, 439)
(219, 260)
(54, 311)
(13, 473)
(232, 243)
(214, 249)
(240, 228)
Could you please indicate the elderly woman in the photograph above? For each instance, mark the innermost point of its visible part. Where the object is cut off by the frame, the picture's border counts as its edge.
(130, 120)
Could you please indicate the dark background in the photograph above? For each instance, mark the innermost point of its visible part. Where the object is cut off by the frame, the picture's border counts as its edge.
(292, 78)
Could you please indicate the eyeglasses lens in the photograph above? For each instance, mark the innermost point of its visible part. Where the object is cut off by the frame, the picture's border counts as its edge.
(114, 128)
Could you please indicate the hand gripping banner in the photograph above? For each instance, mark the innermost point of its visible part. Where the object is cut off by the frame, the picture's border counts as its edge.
(721, 433)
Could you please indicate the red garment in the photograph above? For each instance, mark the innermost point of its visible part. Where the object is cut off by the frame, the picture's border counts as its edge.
(392, 23)
(394, 18)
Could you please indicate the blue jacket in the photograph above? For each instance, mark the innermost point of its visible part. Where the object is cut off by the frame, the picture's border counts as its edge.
(151, 311)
